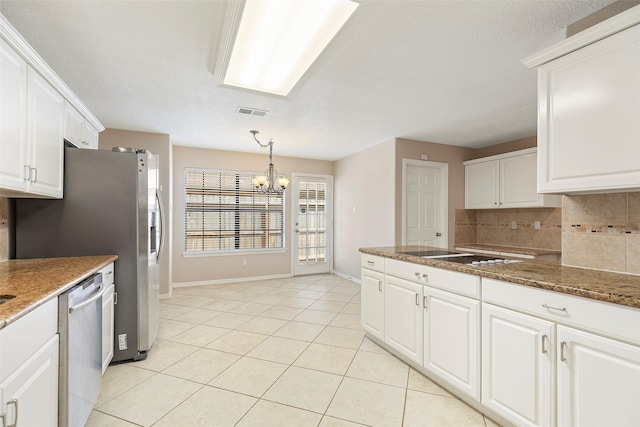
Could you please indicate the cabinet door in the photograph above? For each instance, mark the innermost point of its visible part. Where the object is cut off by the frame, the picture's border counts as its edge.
(598, 380)
(107, 326)
(518, 184)
(73, 125)
(90, 136)
(34, 386)
(588, 127)
(13, 119)
(45, 118)
(372, 302)
(481, 181)
(452, 339)
(517, 366)
(403, 317)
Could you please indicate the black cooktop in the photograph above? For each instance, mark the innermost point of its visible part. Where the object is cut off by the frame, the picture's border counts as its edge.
(430, 253)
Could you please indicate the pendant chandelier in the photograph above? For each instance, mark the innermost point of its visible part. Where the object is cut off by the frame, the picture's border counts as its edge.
(271, 182)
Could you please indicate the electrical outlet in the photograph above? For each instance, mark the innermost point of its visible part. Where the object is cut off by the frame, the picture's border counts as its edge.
(244, 263)
(514, 225)
(536, 225)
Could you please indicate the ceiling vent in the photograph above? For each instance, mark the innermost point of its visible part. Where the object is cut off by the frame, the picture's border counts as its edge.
(252, 111)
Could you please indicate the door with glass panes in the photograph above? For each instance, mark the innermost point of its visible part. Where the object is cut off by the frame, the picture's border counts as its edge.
(312, 223)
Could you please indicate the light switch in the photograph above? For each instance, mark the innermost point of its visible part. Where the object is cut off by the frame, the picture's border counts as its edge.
(514, 225)
(536, 225)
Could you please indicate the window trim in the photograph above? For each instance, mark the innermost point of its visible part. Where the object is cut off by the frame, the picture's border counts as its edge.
(254, 193)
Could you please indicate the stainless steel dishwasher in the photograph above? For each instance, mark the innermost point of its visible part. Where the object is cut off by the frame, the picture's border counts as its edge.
(80, 328)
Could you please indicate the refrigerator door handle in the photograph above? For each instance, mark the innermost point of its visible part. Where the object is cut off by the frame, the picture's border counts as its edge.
(162, 225)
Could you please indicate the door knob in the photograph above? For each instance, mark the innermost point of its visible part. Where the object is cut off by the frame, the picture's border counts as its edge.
(438, 234)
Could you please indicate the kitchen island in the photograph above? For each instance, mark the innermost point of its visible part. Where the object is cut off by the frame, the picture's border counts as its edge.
(528, 343)
(606, 286)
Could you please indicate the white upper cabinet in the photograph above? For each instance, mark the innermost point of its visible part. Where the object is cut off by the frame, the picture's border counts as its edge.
(505, 181)
(13, 119)
(37, 110)
(588, 109)
(44, 133)
(78, 130)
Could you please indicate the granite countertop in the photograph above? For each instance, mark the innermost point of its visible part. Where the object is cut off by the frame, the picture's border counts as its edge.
(510, 249)
(36, 281)
(606, 286)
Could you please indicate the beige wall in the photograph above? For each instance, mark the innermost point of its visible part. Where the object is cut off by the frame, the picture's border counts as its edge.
(453, 156)
(364, 181)
(159, 144)
(602, 231)
(205, 269)
(507, 147)
(4, 228)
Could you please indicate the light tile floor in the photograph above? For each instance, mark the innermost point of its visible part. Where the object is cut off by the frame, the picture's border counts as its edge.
(285, 352)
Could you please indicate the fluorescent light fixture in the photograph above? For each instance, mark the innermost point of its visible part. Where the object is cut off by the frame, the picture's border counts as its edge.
(278, 40)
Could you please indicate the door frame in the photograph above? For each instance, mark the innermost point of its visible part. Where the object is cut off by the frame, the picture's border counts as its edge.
(295, 177)
(444, 195)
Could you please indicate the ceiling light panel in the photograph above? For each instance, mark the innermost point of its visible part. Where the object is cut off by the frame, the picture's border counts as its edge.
(278, 40)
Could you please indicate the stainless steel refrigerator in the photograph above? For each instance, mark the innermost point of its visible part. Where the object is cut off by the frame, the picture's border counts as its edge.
(110, 205)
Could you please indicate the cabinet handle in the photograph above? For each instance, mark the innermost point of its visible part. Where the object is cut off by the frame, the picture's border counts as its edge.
(380, 285)
(15, 419)
(417, 273)
(424, 301)
(544, 347)
(563, 345)
(550, 307)
(115, 298)
(417, 299)
(425, 276)
(35, 175)
(27, 173)
(371, 263)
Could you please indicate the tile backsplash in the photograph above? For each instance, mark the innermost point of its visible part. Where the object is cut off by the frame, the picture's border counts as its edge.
(4, 228)
(602, 231)
(495, 227)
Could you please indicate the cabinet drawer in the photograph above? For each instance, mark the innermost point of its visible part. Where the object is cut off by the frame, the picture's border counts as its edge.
(372, 262)
(20, 340)
(601, 317)
(107, 275)
(459, 283)
(407, 270)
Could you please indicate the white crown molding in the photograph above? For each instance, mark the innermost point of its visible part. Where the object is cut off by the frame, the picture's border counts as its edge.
(604, 29)
(15, 40)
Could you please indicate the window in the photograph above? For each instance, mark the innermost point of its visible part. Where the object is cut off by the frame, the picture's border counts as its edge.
(224, 213)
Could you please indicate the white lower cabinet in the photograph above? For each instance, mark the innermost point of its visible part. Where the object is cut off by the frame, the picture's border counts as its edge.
(372, 302)
(517, 366)
(29, 353)
(451, 339)
(598, 380)
(108, 315)
(403, 317)
(30, 395)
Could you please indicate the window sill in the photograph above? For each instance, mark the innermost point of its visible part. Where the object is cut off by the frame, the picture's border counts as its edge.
(231, 253)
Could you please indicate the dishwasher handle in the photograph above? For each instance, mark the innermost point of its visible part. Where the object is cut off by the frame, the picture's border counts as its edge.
(97, 294)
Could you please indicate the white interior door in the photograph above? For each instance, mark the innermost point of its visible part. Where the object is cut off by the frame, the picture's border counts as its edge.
(312, 222)
(424, 203)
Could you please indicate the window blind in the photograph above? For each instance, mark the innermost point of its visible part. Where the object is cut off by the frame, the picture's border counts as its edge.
(224, 212)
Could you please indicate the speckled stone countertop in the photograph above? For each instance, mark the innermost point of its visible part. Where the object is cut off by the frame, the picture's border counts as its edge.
(616, 288)
(36, 281)
(510, 249)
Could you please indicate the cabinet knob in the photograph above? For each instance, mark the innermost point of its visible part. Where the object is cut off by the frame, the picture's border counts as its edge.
(425, 276)
(417, 273)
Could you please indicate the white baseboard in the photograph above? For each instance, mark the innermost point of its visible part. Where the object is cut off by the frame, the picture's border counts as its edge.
(164, 296)
(234, 280)
(346, 276)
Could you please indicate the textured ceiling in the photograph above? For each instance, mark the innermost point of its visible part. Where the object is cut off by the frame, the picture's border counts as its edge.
(441, 71)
